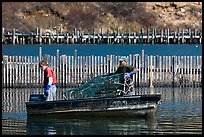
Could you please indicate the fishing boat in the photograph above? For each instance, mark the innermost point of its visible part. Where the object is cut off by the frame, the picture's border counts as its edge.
(99, 104)
(108, 104)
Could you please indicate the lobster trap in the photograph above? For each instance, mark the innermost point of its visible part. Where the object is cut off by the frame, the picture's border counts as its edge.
(105, 85)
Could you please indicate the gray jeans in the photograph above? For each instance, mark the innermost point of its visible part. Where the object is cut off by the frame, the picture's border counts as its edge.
(52, 93)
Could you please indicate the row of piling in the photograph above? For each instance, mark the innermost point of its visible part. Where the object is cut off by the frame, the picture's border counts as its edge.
(72, 71)
(148, 36)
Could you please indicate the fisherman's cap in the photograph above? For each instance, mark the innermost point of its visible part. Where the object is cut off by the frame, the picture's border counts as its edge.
(123, 58)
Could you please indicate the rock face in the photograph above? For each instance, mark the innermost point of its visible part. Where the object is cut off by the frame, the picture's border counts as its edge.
(86, 16)
(177, 14)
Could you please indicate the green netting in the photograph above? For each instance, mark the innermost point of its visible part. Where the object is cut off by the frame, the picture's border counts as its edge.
(107, 85)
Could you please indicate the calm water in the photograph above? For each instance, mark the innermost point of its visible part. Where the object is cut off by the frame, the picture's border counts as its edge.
(179, 113)
(103, 50)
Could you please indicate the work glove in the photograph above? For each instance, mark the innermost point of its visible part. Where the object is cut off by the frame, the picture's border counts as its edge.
(128, 75)
(47, 88)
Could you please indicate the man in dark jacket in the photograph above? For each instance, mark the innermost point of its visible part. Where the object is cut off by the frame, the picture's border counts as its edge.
(127, 70)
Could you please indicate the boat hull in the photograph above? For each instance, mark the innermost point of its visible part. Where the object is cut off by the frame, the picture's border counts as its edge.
(101, 105)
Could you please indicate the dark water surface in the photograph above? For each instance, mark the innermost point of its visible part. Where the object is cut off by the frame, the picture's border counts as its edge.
(180, 112)
(104, 49)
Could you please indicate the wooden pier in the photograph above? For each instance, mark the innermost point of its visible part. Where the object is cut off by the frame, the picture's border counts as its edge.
(148, 36)
(72, 71)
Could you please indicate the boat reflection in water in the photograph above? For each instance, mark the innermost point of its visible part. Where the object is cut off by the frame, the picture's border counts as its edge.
(100, 124)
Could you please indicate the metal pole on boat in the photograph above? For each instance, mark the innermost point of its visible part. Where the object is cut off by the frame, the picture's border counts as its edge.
(150, 77)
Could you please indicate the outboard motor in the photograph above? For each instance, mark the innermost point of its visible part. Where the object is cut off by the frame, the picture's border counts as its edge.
(37, 97)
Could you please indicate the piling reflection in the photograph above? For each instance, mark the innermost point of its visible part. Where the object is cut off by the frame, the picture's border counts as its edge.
(180, 111)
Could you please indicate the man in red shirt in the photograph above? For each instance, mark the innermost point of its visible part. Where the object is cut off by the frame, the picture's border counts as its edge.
(49, 81)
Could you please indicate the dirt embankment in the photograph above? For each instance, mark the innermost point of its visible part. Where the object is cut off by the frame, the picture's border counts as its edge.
(86, 16)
